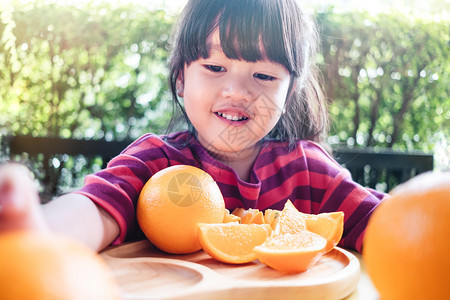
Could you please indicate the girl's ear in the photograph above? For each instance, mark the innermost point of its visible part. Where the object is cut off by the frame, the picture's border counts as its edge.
(180, 85)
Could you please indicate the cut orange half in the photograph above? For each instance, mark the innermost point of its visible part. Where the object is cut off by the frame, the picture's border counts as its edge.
(232, 242)
(291, 253)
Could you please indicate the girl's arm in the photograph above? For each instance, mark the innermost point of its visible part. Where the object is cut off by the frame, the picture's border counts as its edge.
(72, 214)
(77, 216)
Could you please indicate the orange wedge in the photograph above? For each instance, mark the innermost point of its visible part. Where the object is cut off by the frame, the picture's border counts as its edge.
(239, 211)
(230, 217)
(291, 253)
(299, 240)
(328, 225)
(258, 218)
(270, 216)
(232, 242)
(249, 214)
(290, 220)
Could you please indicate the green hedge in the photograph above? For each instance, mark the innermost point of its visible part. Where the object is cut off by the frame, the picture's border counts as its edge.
(387, 76)
(83, 71)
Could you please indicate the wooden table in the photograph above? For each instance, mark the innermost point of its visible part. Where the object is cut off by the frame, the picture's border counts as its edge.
(365, 289)
(144, 272)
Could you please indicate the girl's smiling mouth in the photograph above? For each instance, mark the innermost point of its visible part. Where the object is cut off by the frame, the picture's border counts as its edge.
(232, 117)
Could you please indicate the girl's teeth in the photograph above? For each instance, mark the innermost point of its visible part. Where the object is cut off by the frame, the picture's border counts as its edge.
(232, 118)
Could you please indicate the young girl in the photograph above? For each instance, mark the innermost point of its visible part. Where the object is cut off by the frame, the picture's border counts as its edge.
(242, 74)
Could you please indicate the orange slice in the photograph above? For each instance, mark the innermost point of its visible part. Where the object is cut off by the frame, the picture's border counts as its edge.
(232, 242)
(328, 225)
(249, 214)
(230, 217)
(290, 220)
(239, 211)
(270, 216)
(291, 253)
(258, 218)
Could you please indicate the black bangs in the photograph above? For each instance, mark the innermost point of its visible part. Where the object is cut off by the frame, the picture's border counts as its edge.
(244, 26)
(240, 26)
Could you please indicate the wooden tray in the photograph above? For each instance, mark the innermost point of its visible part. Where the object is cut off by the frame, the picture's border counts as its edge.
(144, 272)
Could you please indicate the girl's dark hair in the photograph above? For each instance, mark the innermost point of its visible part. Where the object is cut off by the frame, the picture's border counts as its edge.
(288, 36)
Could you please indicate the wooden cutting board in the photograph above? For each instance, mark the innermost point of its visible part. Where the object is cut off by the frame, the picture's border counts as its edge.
(144, 272)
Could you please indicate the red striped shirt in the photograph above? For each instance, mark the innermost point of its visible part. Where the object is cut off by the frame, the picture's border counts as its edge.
(305, 174)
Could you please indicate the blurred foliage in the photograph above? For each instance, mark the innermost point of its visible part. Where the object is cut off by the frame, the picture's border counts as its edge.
(387, 77)
(98, 70)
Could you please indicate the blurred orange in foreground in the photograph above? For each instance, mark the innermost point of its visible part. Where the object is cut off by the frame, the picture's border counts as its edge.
(47, 267)
(406, 245)
(172, 203)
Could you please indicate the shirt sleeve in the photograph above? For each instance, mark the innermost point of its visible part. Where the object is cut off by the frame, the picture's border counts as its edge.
(339, 192)
(116, 189)
(357, 203)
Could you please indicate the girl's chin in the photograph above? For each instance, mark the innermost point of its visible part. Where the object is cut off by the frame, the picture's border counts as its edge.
(224, 151)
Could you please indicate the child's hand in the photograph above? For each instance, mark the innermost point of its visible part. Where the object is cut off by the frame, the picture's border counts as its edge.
(19, 200)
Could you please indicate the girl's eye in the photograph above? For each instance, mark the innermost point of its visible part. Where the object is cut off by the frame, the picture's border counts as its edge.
(264, 77)
(213, 68)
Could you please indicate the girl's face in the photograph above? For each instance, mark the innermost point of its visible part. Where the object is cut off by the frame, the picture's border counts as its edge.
(233, 103)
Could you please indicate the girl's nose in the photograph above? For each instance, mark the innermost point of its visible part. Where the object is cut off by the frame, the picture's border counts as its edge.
(237, 89)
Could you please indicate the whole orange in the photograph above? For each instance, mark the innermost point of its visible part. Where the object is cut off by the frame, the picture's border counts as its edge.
(172, 203)
(48, 267)
(406, 245)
